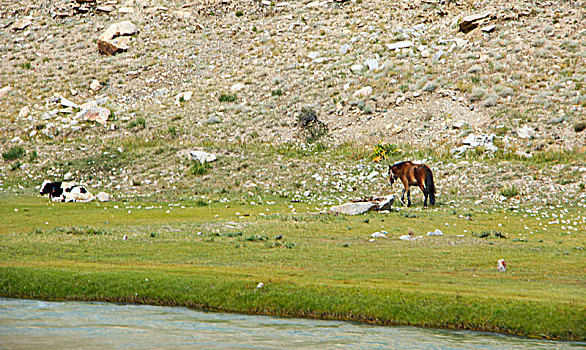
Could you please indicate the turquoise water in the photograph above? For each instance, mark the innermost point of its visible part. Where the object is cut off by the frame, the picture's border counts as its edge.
(33, 324)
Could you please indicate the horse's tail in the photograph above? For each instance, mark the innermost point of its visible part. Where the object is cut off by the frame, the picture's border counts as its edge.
(429, 186)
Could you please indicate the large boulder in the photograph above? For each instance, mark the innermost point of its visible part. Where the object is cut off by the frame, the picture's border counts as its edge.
(202, 157)
(386, 203)
(353, 208)
(116, 37)
(468, 23)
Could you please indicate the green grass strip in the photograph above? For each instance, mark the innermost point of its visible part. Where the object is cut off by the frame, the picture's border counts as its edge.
(553, 320)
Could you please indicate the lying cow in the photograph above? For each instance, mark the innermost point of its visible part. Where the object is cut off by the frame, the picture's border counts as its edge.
(66, 192)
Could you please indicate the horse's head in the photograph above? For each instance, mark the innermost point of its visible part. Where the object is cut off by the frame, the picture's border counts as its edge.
(392, 176)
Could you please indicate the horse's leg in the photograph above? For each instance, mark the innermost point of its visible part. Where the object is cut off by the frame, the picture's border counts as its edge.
(403, 197)
(425, 194)
(408, 197)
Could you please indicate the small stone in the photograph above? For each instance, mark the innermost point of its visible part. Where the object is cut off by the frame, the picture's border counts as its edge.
(24, 112)
(126, 10)
(459, 124)
(344, 49)
(372, 64)
(237, 87)
(67, 103)
(4, 91)
(363, 93)
(400, 45)
(22, 23)
(95, 85)
(488, 29)
(357, 68)
(98, 114)
(106, 8)
(203, 157)
(475, 69)
(525, 132)
(313, 55)
(103, 197)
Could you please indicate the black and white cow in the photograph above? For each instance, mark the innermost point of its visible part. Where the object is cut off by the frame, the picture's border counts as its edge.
(65, 192)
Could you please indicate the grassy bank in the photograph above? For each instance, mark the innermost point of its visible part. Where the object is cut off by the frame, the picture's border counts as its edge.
(213, 255)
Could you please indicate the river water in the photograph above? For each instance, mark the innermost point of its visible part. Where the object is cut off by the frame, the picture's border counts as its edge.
(33, 324)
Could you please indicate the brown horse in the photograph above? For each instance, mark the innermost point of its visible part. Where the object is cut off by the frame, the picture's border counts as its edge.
(413, 175)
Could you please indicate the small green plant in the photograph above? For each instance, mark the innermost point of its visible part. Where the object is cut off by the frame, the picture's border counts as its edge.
(509, 191)
(26, 65)
(364, 108)
(239, 13)
(15, 166)
(172, 131)
(277, 92)
(197, 168)
(227, 98)
(13, 153)
(33, 156)
(139, 122)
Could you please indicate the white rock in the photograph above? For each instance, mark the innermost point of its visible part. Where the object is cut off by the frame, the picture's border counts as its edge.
(185, 96)
(24, 112)
(313, 55)
(378, 234)
(237, 87)
(353, 208)
(95, 85)
(363, 93)
(16, 139)
(437, 232)
(103, 197)
(4, 91)
(344, 49)
(372, 64)
(357, 68)
(400, 45)
(67, 103)
(202, 157)
(409, 238)
(525, 132)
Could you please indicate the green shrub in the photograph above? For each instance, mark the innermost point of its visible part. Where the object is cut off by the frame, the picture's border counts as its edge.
(139, 122)
(239, 13)
(227, 98)
(13, 153)
(197, 168)
(509, 191)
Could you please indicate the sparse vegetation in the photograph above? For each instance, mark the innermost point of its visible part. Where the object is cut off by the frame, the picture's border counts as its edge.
(13, 153)
(227, 98)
